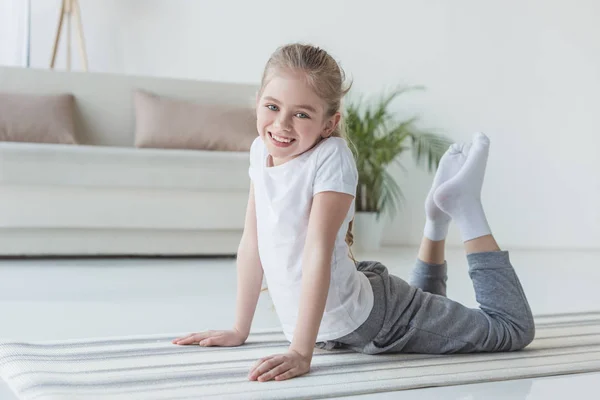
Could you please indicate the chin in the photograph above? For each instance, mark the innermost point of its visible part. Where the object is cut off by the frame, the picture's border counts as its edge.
(275, 152)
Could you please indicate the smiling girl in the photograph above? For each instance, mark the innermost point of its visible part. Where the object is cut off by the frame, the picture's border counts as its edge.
(298, 235)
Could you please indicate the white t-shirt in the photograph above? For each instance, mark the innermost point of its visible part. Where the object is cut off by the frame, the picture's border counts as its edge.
(283, 196)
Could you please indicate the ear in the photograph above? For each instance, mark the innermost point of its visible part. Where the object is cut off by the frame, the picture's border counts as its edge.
(331, 124)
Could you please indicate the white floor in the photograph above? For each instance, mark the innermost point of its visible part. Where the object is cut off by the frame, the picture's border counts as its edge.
(71, 298)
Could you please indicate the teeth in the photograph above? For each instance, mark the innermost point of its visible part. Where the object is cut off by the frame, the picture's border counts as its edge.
(280, 139)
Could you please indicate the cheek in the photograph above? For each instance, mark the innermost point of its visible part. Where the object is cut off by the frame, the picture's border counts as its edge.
(262, 119)
(258, 129)
(308, 129)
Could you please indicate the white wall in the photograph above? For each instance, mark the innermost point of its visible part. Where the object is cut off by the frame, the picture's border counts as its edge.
(526, 72)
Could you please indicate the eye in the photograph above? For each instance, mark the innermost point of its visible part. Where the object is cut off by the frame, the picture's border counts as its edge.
(272, 107)
(302, 115)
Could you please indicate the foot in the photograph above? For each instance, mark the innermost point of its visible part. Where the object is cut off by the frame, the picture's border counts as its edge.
(437, 221)
(460, 196)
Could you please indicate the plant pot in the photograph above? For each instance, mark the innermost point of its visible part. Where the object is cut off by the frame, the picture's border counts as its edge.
(367, 231)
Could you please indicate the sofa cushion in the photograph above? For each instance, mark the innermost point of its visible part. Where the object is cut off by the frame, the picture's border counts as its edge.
(37, 118)
(85, 166)
(162, 122)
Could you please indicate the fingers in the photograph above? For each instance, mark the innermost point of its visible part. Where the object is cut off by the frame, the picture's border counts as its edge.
(184, 339)
(212, 341)
(252, 375)
(274, 372)
(190, 339)
(193, 338)
(278, 367)
(259, 362)
(263, 365)
(287, 375)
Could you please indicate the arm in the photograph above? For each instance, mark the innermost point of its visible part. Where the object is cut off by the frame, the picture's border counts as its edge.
(250, 274)
(249, 271)
(326, 217)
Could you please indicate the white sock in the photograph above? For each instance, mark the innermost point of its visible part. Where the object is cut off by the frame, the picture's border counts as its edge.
(460, 196)
(436, 220)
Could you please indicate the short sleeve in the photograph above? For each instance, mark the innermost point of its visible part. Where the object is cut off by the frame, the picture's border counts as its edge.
(336, 168)
(255, 156)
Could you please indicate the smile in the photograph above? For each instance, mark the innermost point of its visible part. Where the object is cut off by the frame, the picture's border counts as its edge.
(280, 141)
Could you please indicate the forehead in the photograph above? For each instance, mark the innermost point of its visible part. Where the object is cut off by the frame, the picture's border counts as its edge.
(292, 89)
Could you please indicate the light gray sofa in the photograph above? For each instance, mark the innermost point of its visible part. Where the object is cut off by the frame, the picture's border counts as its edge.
(107, 197)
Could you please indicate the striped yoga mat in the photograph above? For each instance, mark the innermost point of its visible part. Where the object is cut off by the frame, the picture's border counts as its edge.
(150, 367)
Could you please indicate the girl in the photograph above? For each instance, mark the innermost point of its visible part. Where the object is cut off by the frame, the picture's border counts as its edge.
(298, 233)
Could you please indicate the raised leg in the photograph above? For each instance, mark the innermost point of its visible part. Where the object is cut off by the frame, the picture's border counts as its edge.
(455, 192)
(430, 271)
(481, 244)
(504, 320)
(432, 252)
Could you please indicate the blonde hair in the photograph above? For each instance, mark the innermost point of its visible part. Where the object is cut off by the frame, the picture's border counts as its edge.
(325, 77)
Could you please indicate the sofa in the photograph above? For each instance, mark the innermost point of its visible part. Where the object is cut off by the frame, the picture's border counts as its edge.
(107, 196)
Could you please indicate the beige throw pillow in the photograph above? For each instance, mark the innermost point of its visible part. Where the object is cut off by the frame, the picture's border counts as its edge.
(161, 122)
(37, 118)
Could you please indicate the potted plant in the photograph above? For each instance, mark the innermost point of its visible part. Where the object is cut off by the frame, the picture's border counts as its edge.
(378, 139)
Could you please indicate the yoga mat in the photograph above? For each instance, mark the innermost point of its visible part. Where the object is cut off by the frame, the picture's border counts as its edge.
(150, 367)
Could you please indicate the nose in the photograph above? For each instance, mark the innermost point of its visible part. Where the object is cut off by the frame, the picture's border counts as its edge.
(283, 122)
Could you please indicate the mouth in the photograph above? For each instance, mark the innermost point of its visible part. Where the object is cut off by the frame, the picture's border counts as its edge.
(280, 141)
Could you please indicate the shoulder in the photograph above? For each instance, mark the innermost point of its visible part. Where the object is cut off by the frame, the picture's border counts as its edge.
(257, 144)
(256, 149)
(336, 168)
(333, 144)
(336, 152)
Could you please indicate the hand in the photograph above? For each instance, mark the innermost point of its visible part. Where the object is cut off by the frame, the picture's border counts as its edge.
(280, 367)
(231, 338)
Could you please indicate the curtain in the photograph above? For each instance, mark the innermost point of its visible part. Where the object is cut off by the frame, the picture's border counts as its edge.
(14, 32)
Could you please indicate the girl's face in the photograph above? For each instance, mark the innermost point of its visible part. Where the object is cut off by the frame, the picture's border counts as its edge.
(291, 118)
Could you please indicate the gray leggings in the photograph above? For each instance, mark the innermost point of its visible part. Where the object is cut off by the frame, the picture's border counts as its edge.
(419, 318)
